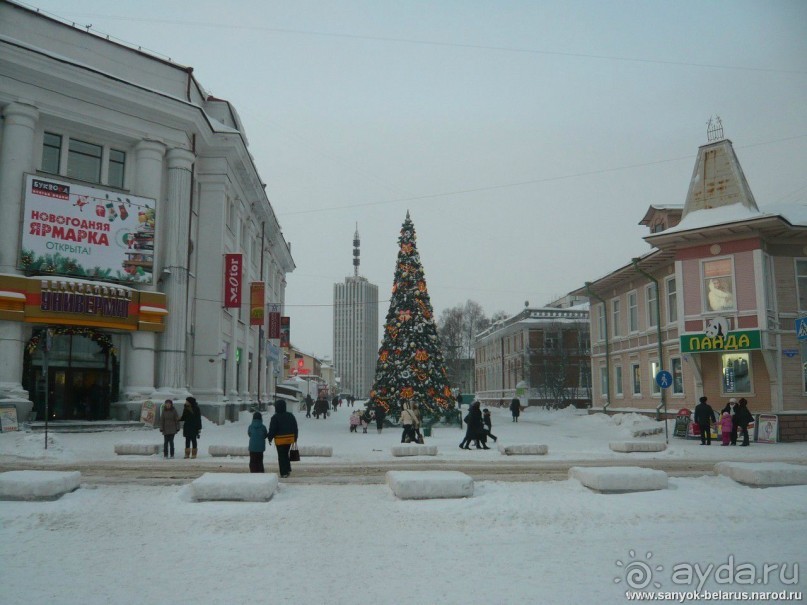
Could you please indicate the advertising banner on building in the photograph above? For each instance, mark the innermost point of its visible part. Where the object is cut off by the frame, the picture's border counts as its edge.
(274, 322)
(86, 232)
(233, 266)
(285, 331)
(257, 301)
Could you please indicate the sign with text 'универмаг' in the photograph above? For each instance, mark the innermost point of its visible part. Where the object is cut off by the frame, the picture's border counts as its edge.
(741, 340)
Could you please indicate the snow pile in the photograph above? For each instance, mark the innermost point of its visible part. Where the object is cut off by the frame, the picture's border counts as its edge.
(612, 479)
(38, 485)
(319, 451)
(764, 474)
(228, 450)
(530, 449)
(413, 449)
(136, 449)
(257, 487)
(637, 446)
(425, 485)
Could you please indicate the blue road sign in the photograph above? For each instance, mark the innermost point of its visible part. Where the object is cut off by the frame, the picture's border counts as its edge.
(801, 328)
(664, 379)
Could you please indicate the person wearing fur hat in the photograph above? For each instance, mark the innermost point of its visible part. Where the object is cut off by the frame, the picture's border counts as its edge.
(283, 430)
(704, 416)
(257, 443)
(191, 426)
(169, 426)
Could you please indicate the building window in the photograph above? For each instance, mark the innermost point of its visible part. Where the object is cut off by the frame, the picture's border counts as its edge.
(651, 295)
(601, 322)
(801, 282)
(604, 382)
(51, 153)
(736, 368)
(618, 381)
(678, 376)
(615, 313)
(633, 312)
(718, 285)
(84, 161)
(654, 387)
(672, 301)
(552, 340)
(636, 374)
(117, 164)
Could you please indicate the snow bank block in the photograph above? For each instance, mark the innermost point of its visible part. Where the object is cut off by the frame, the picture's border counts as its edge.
(320, 451)
(414, 449)
(241, 487)
(136, 449)
(217, 451)
(763, 474)
(527, 449)
(619, 479)
(637, 446)
(646, 431)
(37, 485)
(425, 485)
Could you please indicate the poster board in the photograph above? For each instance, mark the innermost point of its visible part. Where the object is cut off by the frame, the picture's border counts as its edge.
(681, 426)
(8, 419)
(148, 412)
(768, 428)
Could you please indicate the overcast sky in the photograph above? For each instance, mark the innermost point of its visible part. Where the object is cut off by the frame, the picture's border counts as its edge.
(527, 139)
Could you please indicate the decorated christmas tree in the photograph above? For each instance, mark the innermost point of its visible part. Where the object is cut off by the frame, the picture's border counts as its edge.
(410, 362)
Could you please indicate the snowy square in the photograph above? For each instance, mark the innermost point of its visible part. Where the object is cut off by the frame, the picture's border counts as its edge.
(637, 446)
(136, 449)
(425, 485)
(243, 487)
(619, 479)
(524, 449)
(319, 451)
(38, 485)
(218, 451)
(413, 449)
(763, 474)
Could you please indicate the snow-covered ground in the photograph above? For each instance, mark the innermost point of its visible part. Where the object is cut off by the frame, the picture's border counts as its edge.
(542, 542)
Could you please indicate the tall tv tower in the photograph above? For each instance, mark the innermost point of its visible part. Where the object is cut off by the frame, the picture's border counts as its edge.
(356, 260)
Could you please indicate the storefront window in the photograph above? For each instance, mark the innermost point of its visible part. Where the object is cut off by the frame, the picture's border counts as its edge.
(718, 285)
(84, 161)
(736, 368)
(636, 372)
(654, 369)
(678, 376)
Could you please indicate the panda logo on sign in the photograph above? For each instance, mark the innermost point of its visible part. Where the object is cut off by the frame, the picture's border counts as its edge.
(717, 326)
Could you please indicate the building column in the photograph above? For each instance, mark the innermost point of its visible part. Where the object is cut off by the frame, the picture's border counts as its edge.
(16, 158)
(175, 215)
(139, 351)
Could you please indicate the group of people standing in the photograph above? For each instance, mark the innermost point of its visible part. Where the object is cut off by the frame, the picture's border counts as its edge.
(282, 429)
(190, 422)
(478, 425)
(734, 417)
(366, 418)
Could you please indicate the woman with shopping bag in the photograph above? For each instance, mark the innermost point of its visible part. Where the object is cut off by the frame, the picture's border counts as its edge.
(283, 430)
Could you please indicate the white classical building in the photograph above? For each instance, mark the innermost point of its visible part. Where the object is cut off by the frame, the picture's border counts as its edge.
(125, 191)
(355, 330)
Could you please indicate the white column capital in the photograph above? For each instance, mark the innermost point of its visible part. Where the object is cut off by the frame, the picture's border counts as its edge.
(148, 149)
(179, 158)
(20, 114)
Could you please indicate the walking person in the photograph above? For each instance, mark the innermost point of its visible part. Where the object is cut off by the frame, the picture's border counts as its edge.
(515, 408)
(283, 430)
(409, 421)
(309, 403)
(704, 417)
(257, 443)
(474, 428)
(380, 414)
(731, 408)
(742, 419)
(335, 402)
(169, 427)
(487, 424)
(191, 426)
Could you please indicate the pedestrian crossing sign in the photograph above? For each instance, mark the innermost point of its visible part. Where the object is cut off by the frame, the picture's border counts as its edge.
(801, 328)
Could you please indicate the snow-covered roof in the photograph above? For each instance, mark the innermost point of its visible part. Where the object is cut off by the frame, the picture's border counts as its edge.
(793, 213)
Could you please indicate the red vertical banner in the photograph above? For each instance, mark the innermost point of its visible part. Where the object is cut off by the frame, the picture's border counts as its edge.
(285, 331)
(257, 301)
(233, 268)
(274, 322)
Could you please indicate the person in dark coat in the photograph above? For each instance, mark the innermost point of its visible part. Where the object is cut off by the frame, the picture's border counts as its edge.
(515, 408)
(257, 443)
(731, 409)
(743, 418)
(379, 417)
(321, 407)
(169, 426)
(283, 430)
(474, 428)
(335, 402)
(191, 426)
(309, 403)
(704, 417)
(487, 425)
